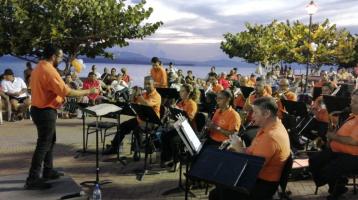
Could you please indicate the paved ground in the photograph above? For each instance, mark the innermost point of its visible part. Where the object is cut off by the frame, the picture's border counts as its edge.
(18, 142)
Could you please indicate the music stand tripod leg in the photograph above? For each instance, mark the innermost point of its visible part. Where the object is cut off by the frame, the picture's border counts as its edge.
(97, 181)
(145, 171)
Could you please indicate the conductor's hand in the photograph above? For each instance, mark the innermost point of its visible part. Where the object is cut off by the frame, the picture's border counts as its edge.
(94, 91)
(236, 144)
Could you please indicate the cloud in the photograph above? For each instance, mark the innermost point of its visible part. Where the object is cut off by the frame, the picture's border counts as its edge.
(203, 22)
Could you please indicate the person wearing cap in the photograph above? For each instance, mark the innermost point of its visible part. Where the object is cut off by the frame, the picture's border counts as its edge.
(16, 89)
(48, 93)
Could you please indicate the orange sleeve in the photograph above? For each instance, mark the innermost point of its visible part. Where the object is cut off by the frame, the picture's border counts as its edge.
(236, 123)
(191, 110)
(291, 96)
(57, 85)
(164, 79)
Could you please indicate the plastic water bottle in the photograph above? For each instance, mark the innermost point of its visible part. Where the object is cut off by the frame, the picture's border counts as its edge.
(97, 193)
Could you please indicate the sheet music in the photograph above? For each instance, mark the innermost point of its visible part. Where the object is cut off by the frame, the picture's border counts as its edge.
(193, 139)
(103, 109)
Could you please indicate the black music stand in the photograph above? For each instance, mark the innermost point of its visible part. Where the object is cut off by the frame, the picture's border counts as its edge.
(317, 91)
(146, 114)
(295, 108)
(84, 151)
(232, 170)
(334, 103)
(180, 188)
(168, 93)
(98, 111)
(246, 91)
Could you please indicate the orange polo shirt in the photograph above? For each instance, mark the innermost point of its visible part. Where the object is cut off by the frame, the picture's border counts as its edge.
(159, 76)
(349, 128)
(48, 90)
(190, 108)
(217, 88)
(319, 113)
(239, 101)
(153, 100)
(289, 95)
(272, 143)
(228, 120)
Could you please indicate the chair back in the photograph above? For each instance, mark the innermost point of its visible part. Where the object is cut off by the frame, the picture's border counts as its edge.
(286, 172)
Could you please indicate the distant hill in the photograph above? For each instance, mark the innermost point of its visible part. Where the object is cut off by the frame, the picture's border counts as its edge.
(135, 58)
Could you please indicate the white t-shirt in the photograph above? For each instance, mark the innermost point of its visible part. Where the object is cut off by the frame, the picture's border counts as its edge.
(16, 86)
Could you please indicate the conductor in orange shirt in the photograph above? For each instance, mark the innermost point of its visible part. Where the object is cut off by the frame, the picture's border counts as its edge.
(48, 93)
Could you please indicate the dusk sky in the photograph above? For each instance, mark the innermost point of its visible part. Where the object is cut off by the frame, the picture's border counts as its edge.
(193, 29)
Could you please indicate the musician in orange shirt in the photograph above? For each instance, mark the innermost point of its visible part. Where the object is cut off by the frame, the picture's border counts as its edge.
(271, 142)
(226, 120)
(150, 98)
(158, 74)
(319, 123)
(170, 139)
(341, 158)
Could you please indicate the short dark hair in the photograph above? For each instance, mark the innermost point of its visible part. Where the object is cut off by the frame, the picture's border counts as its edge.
(155, 60)
(50, 50)
(8, 71)
(267, 103)
(228, 94)
(91, 74)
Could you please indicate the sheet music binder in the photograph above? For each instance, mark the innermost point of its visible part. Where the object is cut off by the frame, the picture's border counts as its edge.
(233, 170)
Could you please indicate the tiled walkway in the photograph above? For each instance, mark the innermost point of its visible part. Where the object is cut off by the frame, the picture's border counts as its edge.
(18, 142)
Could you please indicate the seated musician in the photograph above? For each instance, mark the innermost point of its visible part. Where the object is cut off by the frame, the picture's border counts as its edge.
(226, 120)
(252, 81)
(216, 86)
(341, 157)
(171, 140)
(320, 121)
(151, 98)
(284, 93)
(271, 142)
(259, 91)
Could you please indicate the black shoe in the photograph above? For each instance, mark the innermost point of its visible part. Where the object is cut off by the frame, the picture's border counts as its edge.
(338, 191)
(36, 184)
(110, 150)
(52, 175)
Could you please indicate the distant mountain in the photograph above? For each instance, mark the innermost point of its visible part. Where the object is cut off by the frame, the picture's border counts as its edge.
(135, 58)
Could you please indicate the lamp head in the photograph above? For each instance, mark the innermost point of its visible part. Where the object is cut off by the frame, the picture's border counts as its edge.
(311, 8)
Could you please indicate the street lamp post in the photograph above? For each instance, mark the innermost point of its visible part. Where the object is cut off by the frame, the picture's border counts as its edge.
(311, 9)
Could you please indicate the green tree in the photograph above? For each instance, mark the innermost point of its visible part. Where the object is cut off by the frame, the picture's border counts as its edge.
(78, 27)
(279, 41)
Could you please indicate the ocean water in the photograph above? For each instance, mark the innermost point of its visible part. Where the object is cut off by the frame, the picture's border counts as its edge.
(136, 71)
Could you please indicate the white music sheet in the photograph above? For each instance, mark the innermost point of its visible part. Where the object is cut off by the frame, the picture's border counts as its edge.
(103, 109)
(193, 139)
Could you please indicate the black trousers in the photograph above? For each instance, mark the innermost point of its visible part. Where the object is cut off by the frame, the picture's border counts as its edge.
(262, 190)
(45, 121)
(330, 167)
(124, 129)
